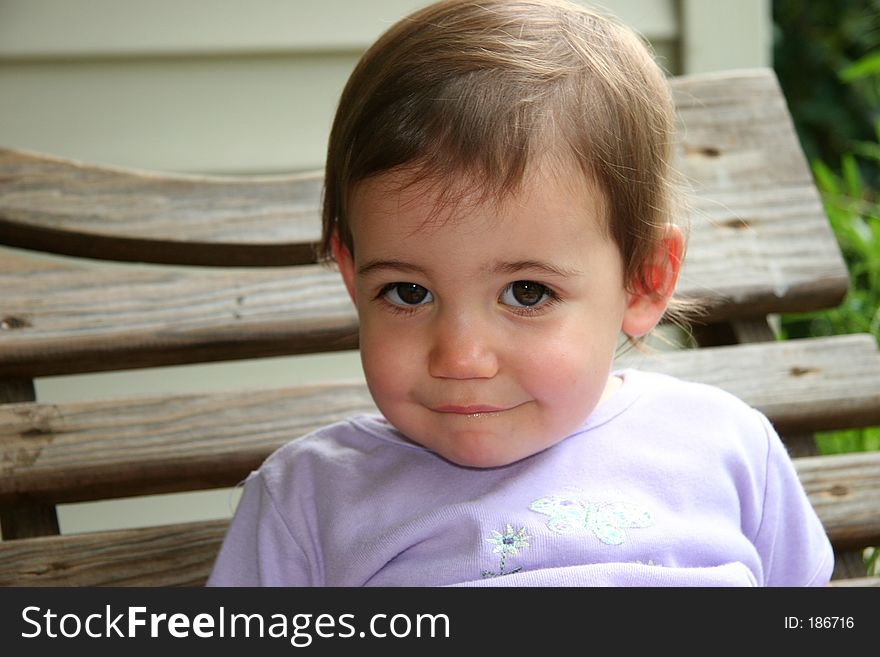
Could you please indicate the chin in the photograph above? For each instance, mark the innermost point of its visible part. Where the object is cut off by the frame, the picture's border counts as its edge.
(482, 463)
(473, 453)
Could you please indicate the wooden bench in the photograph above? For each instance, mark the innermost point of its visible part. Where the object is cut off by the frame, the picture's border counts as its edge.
(760, 244)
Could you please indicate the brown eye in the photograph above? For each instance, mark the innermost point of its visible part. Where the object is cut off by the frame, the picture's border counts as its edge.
(524, 293)
(407, 294)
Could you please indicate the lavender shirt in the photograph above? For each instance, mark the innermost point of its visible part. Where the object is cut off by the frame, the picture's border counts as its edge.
(668, 483)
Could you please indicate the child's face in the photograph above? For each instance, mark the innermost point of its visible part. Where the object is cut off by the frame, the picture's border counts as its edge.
(488, 335)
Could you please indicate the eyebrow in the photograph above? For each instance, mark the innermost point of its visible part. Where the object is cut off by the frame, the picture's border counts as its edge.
(394, 265)
(513, 267)
(535, 265)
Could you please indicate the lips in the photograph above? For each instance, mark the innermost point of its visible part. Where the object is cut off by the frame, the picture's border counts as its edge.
(470, 410)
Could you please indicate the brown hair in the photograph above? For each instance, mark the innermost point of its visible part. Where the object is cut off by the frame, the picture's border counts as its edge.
(483, 88)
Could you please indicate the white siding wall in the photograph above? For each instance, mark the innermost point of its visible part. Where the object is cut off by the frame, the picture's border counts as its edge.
(238, 86)
(241, 86)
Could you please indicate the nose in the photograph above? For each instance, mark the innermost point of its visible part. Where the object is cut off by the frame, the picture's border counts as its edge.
(462, 349)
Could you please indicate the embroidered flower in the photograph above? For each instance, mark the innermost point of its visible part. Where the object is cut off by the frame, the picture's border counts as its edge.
(510, 542)
(507, 544)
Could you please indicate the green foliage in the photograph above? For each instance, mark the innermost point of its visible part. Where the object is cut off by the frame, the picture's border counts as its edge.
(866, 67)
(872, 561)
(825, 55)
(827, 58)
(854, 214)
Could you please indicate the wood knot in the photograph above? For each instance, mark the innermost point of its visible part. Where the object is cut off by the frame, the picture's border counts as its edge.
(10, 323)
(36, 432)
(802, 371)
(702, 151)
(839, 491)
(737, 223)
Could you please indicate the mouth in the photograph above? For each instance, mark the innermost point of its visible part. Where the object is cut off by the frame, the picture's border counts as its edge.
(476, 409)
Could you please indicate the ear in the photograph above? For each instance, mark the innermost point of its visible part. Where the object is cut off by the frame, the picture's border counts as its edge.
(646, 307)
(345, 262)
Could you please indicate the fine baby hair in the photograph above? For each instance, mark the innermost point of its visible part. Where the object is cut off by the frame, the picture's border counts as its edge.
(478, 91)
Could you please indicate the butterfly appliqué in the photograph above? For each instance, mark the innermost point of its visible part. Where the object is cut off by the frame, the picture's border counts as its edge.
(606, 520)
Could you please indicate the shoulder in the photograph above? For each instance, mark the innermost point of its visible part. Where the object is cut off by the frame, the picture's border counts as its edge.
(699, 414)
(663, 390)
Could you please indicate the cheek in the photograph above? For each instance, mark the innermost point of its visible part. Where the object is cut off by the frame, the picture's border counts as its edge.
(570, 362)
(556, 368)
(388, 362)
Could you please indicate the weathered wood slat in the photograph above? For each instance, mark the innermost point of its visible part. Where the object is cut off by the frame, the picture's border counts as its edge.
(171, 555)
(27, 519)
(112, 448)
(57, 318)
(758, 230)
(65, 206)
(128, 447)
(843, 489)
(17, 390)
